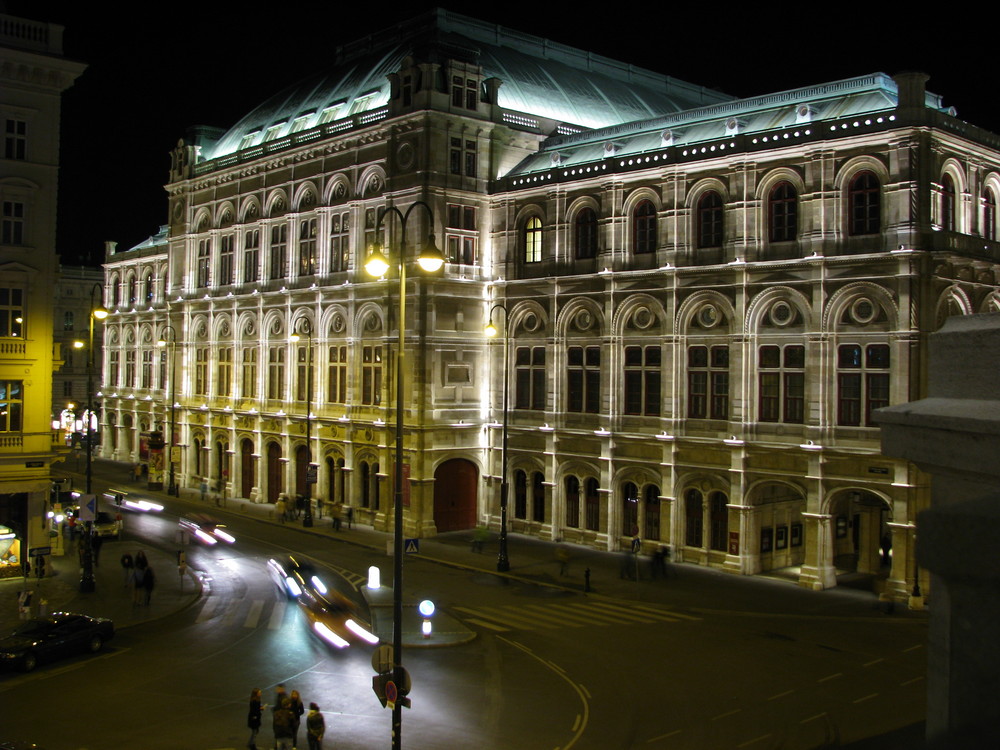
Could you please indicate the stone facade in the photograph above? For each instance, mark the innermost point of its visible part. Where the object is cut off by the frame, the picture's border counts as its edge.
(701, 308)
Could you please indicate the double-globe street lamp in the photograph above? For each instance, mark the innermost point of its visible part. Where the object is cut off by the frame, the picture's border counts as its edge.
(97, 312)
(503, 562)
(307, 516)
(168, 329)
(430, 260)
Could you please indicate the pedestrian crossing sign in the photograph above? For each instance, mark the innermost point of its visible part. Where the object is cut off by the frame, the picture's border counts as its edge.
(411, 546)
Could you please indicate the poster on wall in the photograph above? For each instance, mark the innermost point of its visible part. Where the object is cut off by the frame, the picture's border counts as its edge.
(781, 540)
(796, 534)
(734, 542)
(766, 540)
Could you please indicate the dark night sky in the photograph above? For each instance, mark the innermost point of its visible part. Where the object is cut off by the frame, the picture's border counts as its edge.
(156, 69)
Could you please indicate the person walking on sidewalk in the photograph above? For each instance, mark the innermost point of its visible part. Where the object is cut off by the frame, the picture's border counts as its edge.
(253, 718)
(315, 727)
(127, 566)
(280, 508)
(282, 726)
(138, 584)
(148, 582)
(297, 709)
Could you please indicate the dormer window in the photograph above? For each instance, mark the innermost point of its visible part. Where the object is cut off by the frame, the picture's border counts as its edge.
(464, 92)
(301, 122)
(272, 132)
(249, 139)
(332, 112)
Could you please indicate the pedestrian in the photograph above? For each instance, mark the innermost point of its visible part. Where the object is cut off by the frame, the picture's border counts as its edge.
(127, 567)
(138, 584)
(253, 718)
(319, 507)
(282, 725)
(95, 547)
(279, 509)
(297, 709)
(300, 506)
(148, 582)
(280, 694)
(315, 727)
(140, 560)
(137, 472)
(349, 515)
(335, 514)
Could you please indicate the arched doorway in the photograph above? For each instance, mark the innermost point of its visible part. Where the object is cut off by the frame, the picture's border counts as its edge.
(274, 472)
(246, 468)
(455, 495)
(777, 515)
(861, 535)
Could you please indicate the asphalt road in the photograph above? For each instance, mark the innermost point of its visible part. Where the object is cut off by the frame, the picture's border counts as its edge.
(551, 667)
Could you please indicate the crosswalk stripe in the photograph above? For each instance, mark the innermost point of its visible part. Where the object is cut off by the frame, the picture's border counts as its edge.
(665, 613)
(253, 617)
(640, 611)
(207, 609)
(595, 617)
(485, 624)
(567, 615)
(501, 615)
(559, 618)
(615, 616)
(277, 616)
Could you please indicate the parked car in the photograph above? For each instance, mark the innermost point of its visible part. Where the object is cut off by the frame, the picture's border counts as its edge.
(206, 529)
(53, 637)
(107, 525)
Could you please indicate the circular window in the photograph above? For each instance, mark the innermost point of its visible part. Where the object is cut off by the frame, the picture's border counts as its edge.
(584, 320)
(337, 324)
(782, 314)
(642, 318)
(530, 322)
(340, 191)
(863, 310)
(709, 316)
(404, 155)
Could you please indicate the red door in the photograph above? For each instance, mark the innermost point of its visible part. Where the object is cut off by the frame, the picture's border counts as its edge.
(455, 499)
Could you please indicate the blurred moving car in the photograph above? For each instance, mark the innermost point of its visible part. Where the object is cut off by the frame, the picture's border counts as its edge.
(206, 529)
(53, 637)
(294, 574)
(335, 618)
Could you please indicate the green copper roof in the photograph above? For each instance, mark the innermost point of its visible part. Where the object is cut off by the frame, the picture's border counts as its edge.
(539, 77)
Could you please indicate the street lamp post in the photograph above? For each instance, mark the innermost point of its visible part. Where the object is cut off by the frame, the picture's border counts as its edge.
(503, 562)
(307, 516)
(172, 487)
(98, 312)
(430, 260)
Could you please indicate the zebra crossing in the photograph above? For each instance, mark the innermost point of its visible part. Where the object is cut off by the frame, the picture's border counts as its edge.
(250, 614)
(552, 616)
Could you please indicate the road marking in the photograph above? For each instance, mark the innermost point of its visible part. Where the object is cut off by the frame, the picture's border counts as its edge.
(813, 718)
(874, 661)
(663, 736)
(491, 626)
(208, 609)
(781, 695)
(595, 616)
(867, 697)
(578, 730)
(663, 612)
(277, 616)
(229, 616)
(253, 617)
(576, 723)
(910, 682)
(755, 739)
(830, 677)
(912, 648)
(728, 713)
(507, 617)
(621, 613)
(547, 615)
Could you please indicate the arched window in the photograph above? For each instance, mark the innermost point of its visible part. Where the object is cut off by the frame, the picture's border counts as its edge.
(593, 506)
(718, 515)
(147, 288)
(520, 494)
(365, 485)
(710, 220)
(115, 292)
(644, 228)
(132, 295)
(989, 214)
(948, 203)
(630, 509)
(783, 213)
(586, 234)
(652, 519)
(572, 502)
(693, 521)
(864, 197)
(533, 240)
(538, 497)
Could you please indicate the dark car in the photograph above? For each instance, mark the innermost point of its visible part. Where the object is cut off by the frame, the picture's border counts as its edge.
(293, 575)
(53, 637)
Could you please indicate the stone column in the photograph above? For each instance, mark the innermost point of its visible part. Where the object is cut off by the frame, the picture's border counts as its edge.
(818, 572)
(954, 434)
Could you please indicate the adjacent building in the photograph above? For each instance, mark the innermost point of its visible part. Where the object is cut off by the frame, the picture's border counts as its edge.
(33, 75)
(701, 300)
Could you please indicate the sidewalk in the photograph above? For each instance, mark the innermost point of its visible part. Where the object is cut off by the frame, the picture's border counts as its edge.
(690, 588)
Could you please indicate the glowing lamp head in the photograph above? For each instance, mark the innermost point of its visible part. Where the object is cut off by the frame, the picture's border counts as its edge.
(78, 345)
(100, 312)
(491, 330)
(431, 259)
(376, 265)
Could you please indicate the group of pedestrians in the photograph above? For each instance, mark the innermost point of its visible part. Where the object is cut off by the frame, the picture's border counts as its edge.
(139, 577)
(286, 720)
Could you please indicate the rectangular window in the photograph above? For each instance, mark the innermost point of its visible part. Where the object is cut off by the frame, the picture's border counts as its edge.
(371, 222)
(470, 159)
(339, 245)
(113, 364)
(371, 375)
(15, 145)
(67, 389)
(129, 368)
(224, 376)
(642, 380)
(226, 259)
(583, 379)
(530, 378)
(201, 371)
(204, 262)
(11, 312)
(162, 374)
(276, 372)
(302, 374)
(146, 374)
(781, 382)
(708, 382)
(307, 248)
(337, 375)
(463, 157)
(248, 374)
(862, 383)
(11, 405)
(279, 252)
(12, 226)
(461, 241)
(251, 256)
